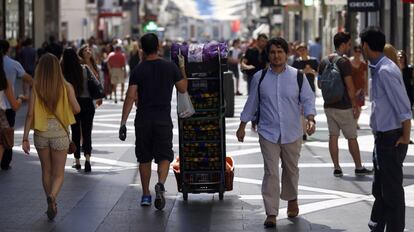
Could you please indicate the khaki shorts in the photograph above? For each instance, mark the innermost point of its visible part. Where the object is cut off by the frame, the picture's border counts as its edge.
(117, 76)
(344, 120)
(54, 138)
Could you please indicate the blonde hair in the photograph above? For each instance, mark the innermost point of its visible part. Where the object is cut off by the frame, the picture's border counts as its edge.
(135, 47)
(48, 81)
(391, 53)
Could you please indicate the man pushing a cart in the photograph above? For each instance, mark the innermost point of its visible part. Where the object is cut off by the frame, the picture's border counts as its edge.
(151, 84)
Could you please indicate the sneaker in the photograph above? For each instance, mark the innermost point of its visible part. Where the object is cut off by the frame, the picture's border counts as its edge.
(338, 173)
(76, 166)
(238, 93)
(159, 196)
(146, 200)
(363, 172)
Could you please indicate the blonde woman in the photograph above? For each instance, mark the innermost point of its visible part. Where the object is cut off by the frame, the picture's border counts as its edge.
(51, 110)
(391, 53)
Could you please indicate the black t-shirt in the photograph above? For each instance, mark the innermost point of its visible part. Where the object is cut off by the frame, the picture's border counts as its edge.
(345, 67)
(258, 60)
(155, 80)
(313, 63)
(407, 73)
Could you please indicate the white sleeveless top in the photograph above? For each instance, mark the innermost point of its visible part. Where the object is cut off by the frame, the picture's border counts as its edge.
(2, 98)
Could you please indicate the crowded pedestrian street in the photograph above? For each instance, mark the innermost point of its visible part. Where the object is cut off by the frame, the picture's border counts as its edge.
(107, 199)
(206, 115)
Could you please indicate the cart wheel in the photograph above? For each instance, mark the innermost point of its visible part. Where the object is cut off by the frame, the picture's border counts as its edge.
(185, 196)
(221, 196)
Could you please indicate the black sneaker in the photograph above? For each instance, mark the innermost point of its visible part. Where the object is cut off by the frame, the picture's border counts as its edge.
(76, 166)
(159, 196)
(338, 173)
(363, 172)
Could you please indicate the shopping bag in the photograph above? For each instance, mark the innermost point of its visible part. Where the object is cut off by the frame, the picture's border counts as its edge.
(185, 107)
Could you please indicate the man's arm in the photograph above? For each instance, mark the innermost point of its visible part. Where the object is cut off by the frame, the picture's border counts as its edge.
(182, 84)
(245, 66)
(131, 96)
(405, 138)
(351, 93)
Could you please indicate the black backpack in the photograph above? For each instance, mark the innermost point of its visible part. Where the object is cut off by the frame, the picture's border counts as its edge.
(299, 77)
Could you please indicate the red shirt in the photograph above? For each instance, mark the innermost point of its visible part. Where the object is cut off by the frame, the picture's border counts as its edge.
(116, 60)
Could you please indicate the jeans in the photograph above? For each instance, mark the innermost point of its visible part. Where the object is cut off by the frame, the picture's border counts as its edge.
(84, 122)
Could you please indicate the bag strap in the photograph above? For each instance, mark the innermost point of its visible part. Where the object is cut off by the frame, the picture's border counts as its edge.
(299, 78)
(61, 123)
(334, 59)
(264, 71)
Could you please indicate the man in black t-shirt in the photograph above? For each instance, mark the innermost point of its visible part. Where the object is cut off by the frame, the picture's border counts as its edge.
(151, 85)
(254, 59)
(308, 65)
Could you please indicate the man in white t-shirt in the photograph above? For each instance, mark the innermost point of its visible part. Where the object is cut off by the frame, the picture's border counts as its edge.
(234, 57)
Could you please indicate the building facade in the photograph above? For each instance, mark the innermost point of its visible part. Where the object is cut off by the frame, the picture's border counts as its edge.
(20, 19)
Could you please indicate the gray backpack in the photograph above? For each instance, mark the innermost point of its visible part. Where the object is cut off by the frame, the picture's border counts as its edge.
(331, 82)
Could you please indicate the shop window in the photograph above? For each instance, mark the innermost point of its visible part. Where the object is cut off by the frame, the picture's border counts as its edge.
(12, 19)
(28, 18)
(1, 19)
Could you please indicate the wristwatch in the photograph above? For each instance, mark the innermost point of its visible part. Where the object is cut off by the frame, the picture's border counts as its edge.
(312, 120)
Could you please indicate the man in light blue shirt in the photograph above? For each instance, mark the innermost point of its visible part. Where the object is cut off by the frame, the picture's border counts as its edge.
(12, 69)
(280, 105)
(391, 124)
(315, 49)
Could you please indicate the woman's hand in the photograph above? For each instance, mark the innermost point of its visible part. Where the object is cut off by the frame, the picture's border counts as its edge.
(26, 146)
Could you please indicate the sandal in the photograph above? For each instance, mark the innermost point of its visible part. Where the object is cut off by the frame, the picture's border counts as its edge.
(51, 207)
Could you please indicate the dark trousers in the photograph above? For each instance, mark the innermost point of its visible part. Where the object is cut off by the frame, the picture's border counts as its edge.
(389, 205)
(8, 153)
(84, 122)
(249, 81)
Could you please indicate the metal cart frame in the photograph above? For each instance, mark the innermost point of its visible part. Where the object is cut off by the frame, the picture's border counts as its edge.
(186, 185)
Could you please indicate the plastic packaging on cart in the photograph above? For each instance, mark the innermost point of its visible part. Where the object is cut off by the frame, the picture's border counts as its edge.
(185, 107)
(197, 53)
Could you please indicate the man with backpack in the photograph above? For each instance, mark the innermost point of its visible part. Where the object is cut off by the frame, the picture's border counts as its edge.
(340, 106)
(278, 94)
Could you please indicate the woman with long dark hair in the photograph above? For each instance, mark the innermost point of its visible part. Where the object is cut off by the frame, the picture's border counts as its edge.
(77, 75)
(51, 110)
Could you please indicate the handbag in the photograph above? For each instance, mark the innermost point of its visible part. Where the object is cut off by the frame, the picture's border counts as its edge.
(95, 87)
(6, 132)
(72, 146)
